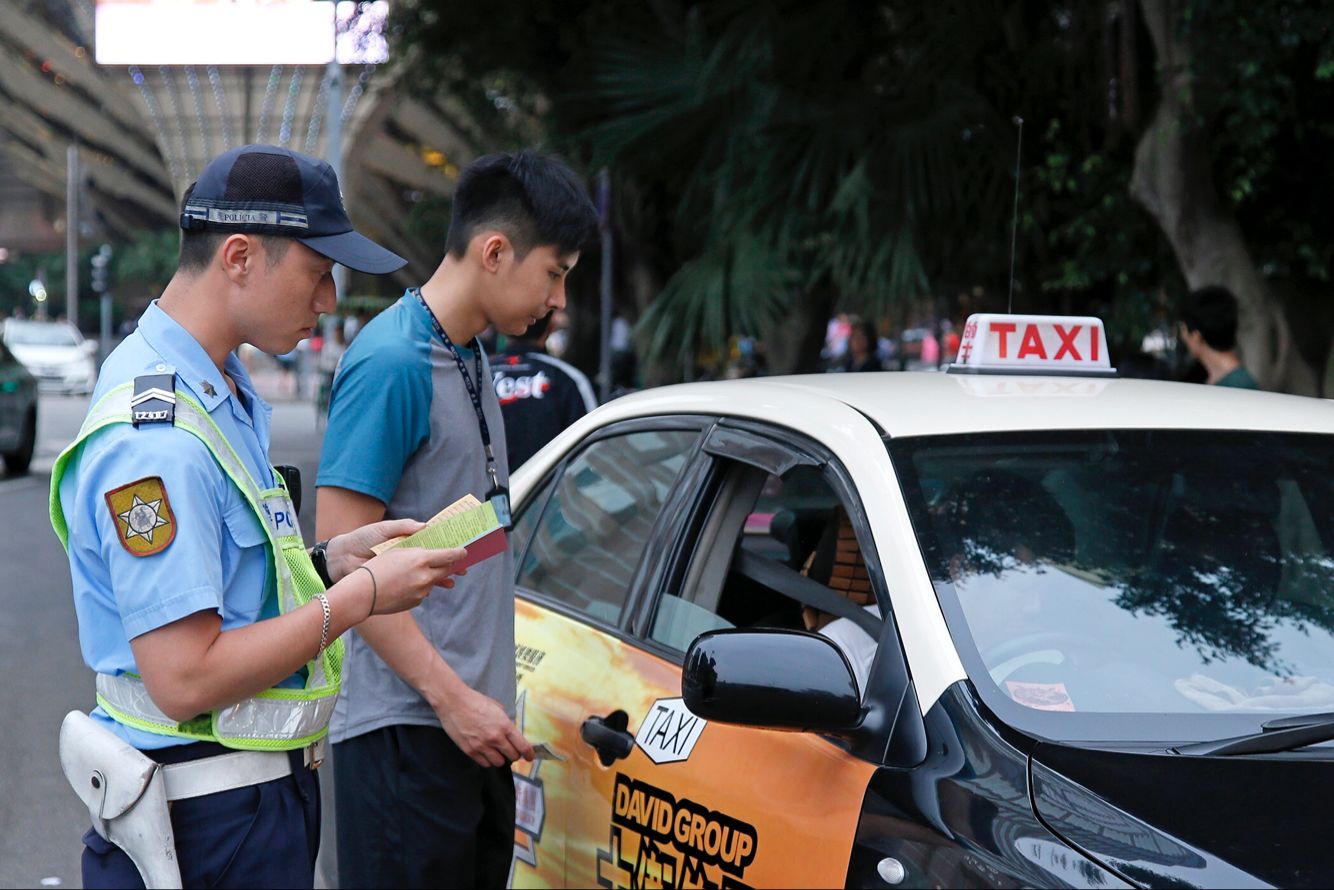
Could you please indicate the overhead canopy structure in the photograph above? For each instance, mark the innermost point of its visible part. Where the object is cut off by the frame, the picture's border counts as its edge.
(144, 131)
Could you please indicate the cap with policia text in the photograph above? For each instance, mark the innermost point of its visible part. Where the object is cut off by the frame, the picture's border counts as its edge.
(269, 190)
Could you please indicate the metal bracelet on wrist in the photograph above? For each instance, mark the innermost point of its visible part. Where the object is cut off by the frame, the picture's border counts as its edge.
(328, 618)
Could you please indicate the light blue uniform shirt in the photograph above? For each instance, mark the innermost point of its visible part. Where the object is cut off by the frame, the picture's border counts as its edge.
(219, 559)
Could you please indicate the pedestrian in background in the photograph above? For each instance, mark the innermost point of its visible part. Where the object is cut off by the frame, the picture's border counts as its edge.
(862, 350)
(206, 621)
(558, 335)
(1208, 328)
(287, 368)
(424, 733)
(539, 395)
(331, 353)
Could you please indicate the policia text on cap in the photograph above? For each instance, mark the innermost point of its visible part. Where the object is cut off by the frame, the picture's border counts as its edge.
(214, 641)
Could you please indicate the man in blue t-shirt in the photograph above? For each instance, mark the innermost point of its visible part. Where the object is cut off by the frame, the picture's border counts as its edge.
(424, 732)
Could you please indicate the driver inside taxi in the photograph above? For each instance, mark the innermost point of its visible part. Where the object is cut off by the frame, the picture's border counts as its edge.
(837, 563)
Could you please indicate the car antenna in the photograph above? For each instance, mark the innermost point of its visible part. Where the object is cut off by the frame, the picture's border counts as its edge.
(1014, 226)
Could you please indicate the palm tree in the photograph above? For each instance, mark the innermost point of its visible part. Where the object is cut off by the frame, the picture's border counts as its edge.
(819, 154)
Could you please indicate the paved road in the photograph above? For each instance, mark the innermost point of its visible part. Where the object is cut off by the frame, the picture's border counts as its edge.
(43, 675)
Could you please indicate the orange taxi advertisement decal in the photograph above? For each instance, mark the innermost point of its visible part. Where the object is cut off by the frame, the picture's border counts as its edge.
(675, 841)
(694, 803)
(530, 802)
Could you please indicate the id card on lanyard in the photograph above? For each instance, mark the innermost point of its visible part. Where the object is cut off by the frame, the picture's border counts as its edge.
(499, 495)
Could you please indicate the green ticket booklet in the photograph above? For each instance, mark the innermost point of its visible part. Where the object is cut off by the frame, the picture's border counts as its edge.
(467, 523)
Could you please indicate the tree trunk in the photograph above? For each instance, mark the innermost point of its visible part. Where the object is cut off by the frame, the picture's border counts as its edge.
(1173, 180)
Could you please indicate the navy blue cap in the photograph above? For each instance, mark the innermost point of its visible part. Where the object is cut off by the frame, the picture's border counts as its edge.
(269, 190)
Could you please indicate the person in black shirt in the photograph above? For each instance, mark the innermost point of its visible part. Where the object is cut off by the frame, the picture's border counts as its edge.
(863, 342)
(540, 395)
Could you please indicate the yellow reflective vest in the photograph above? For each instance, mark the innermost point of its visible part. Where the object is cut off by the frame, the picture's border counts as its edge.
(276, 719)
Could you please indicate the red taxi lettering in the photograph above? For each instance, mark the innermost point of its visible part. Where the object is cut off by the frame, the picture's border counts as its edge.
(1032, 344)
(1052, 344)
(1068, 341)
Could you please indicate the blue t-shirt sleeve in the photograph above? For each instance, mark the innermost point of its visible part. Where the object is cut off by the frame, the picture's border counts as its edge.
(185, 576)
(379, 415)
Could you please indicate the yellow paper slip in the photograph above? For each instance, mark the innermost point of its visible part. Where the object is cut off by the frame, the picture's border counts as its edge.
(458, 525)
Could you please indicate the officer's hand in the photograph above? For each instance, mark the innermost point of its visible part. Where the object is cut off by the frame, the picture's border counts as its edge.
(482, 729)
(405, 576)
(346, 552)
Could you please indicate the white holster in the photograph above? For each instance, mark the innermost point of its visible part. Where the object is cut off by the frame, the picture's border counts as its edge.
(126, 796)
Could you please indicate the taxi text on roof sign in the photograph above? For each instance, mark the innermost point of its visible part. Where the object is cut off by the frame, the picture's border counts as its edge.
(1033, 344)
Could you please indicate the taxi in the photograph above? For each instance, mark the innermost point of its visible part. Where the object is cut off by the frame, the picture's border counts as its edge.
(1020, 624)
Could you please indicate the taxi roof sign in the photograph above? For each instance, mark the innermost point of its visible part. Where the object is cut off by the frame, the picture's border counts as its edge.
(1033, 344)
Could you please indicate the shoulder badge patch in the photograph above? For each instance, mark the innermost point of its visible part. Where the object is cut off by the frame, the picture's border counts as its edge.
(143, 516)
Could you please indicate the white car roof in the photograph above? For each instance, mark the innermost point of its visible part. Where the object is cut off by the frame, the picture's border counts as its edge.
(924, 404)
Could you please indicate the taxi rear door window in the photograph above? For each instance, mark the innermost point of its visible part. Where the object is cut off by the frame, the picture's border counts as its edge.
(584, 549)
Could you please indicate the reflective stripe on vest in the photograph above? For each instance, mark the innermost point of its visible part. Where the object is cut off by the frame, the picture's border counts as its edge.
(277, 718)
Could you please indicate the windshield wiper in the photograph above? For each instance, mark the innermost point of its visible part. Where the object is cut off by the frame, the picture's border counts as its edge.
(1282, 734)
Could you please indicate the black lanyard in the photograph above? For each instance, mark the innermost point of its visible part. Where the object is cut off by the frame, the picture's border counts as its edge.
(499, 495)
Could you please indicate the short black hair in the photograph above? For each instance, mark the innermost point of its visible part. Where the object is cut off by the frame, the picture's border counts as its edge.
(534, 199)
(1213, 312)
(199, 246)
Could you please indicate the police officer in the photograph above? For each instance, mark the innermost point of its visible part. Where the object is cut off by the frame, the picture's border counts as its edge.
(209, 627)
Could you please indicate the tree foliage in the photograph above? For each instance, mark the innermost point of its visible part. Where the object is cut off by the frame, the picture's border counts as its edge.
(139, 268)
(1265, 82)
(777, 154)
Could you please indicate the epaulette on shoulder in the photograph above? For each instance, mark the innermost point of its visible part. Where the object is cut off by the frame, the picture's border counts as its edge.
(154, 399)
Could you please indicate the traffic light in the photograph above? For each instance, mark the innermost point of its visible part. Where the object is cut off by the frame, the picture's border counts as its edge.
(101, 262)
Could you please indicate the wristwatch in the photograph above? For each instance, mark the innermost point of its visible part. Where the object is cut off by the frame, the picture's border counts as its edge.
(320, 558)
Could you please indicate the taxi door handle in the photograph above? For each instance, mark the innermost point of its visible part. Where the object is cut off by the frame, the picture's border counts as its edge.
(608, 735)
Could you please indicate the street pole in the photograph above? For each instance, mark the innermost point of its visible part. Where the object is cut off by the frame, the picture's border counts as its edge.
(102, 284)
(334, 148)
(72, 234)
(604, 225)
(104, 335)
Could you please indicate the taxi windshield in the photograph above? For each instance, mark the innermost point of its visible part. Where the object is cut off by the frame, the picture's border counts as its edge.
(1180, 583)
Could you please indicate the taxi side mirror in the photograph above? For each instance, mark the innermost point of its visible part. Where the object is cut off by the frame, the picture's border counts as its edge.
(775, 679)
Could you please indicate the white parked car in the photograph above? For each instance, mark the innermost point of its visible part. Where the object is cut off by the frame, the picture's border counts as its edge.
(56, 354)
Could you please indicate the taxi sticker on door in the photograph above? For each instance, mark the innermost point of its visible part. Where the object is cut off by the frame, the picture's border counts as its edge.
(657, 840)
(530, 801)
(668, 733)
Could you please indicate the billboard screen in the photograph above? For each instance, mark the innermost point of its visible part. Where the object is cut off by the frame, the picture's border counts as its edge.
(239, 32)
